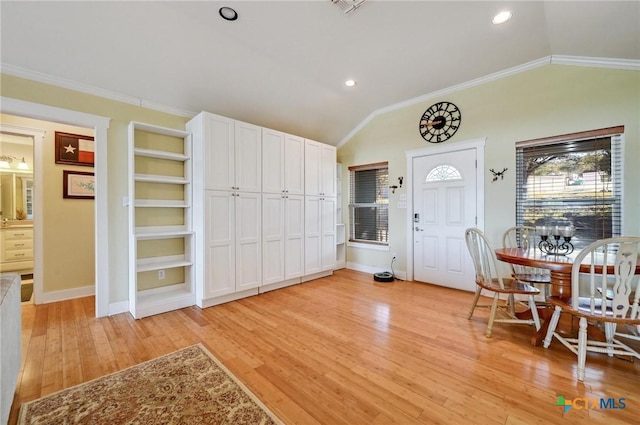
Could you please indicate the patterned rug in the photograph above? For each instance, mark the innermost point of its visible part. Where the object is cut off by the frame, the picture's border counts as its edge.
(189, 386)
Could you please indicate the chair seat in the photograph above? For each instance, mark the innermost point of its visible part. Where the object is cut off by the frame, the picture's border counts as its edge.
(511, 286)
(584, 310)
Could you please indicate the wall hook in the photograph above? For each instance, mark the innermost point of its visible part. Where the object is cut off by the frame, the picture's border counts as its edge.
(497, 174)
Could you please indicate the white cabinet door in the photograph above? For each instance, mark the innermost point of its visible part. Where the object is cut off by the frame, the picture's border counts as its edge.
(294, 165)
(219, 250)
(320, 169)
(312, 155)
(320, 234)
(248, 240)
(312, 235)
(219, 153)
(248, 157)
(273, 238)
(328, 229)
(294, 237)
(328, 170)
(273, 168)
(282, 237)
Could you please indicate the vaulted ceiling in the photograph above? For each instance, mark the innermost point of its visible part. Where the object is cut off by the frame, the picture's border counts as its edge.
(282, 64)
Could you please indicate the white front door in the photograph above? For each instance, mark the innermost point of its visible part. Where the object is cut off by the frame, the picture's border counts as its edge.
(444, 206)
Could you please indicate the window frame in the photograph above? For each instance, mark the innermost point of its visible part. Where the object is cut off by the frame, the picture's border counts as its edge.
(352, 240)
(615, 201)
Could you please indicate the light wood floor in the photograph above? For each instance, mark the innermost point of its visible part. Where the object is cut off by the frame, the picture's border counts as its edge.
(340, 350)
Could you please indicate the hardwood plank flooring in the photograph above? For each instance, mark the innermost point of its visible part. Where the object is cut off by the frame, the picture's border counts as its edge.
(341, 350)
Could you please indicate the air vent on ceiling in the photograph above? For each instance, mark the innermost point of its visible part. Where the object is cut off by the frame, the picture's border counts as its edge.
(348, 5)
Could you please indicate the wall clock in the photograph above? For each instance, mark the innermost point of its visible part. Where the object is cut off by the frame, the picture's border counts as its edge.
(439, 122)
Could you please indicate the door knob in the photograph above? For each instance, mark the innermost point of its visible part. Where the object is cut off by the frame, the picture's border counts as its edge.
(419, 229)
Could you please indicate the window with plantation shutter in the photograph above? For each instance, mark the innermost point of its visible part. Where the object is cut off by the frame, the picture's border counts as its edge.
(574, 179)
(369, 203)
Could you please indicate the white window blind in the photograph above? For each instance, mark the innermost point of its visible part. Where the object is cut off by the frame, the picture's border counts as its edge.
(572, 180)
(369, 203)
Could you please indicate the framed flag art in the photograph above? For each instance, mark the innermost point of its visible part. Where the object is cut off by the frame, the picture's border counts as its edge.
(74, 149)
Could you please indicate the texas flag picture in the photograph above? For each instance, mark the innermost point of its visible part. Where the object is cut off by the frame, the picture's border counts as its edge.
(74, 149)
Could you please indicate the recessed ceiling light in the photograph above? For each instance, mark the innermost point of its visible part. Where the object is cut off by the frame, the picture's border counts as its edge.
(228, 13)
(350, 83)
(502, 17)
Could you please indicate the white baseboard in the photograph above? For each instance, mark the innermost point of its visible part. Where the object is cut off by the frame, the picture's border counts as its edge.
(210, 302)
(368, 269)
(67, 294)
(279, 285)
(314, 276)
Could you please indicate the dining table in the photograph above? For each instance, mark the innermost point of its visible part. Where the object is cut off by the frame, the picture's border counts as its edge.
(559, 266)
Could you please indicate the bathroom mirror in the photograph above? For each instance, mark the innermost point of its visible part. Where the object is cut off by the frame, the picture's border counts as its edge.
(16, 196)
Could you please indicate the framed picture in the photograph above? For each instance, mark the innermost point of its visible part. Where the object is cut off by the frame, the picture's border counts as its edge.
(78, 185)
(74, 149)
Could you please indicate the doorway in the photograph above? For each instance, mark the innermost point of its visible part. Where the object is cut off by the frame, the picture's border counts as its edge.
(446, 196)
(100, 125)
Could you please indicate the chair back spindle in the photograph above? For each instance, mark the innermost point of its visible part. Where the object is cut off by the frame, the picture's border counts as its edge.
(612, 279)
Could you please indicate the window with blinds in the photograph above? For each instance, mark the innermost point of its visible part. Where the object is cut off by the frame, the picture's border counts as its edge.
(369, 203)
(574, 179)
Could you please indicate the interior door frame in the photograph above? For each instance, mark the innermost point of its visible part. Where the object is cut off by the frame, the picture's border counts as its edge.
(478, 145)
(100, 126)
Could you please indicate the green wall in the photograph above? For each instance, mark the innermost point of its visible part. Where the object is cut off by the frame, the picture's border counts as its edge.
(546, 101)
(120, 114)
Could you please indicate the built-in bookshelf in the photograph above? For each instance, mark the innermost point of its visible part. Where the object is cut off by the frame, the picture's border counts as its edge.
(161, 237)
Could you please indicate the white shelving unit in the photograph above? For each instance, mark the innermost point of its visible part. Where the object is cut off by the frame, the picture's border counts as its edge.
(160, 220)
(341, 246)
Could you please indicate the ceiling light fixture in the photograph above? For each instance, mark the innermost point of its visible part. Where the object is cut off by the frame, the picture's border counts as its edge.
(350, 83)
(502, 17)
(228, 13)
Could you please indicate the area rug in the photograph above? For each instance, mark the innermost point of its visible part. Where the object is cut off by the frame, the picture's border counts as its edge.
(26, 291)
(189, 386)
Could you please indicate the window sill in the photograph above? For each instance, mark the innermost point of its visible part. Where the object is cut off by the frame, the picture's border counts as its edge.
(368, 246)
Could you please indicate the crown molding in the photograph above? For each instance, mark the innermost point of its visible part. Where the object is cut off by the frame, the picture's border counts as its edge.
(630, 64)
(548, 60)
(40, 77)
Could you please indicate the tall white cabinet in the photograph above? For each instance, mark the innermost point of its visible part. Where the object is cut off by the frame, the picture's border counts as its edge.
(320, 208)
(161, 254)
(265, 208)
(228, 200)
(282, 208)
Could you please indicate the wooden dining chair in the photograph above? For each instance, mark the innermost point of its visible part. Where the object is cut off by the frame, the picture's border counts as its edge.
(606, 296)
(525, 237)
(489, 279)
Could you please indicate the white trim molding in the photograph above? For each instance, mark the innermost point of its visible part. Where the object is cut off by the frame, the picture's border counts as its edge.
(38, 136)
(630, 64)
(100, 125)
(67, 294)
(40, 77)
(369, 269)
